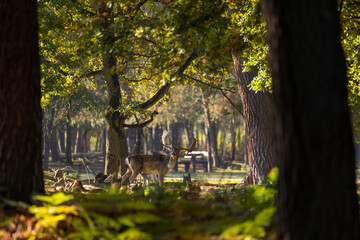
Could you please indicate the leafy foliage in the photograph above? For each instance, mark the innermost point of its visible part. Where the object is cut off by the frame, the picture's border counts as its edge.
(173, 212)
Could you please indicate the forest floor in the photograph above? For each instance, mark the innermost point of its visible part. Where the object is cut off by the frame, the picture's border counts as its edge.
(229, 174)
(212, 206)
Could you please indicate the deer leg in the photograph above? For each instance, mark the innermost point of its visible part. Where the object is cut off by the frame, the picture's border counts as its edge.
(161, 179)
(134, 175)
(126, 175)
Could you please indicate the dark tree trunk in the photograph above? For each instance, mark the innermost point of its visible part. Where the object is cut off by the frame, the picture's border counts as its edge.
(54, 147)
(98, 140)
(69, 132)
(131, 140)
(157, 146)
(188, 127)
(259, 133)
(176, 132)
(46, 150)
(20, 111)
(317, 192)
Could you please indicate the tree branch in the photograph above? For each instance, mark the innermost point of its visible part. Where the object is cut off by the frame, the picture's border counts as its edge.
(208, 84)
(143, 124)
(233, 104)
(83, 10)
(165, 88)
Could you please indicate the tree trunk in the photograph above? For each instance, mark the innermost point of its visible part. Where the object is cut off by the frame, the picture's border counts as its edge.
(207, 131)
(74, 136)
(103, 147)
(317, 192)
(131, 140)
(79, 141)
(54, 146)
(259, 133)
(20, 111)
(62, 140)
(46, 151)
(157, 146)
(233, 139)
(213, 143)
(116, 140)
(176, 132)
(69, 132)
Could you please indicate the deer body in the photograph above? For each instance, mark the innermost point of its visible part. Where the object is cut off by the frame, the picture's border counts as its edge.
(158, 165)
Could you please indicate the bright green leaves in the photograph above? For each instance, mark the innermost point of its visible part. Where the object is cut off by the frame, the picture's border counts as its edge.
(351, 44)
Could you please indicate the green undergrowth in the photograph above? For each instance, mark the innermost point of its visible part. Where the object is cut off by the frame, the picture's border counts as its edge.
(172, 212)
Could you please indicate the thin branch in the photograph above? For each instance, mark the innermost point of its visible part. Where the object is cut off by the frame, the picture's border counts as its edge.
(143, 124)
(233, 104)
(148, 40)
(208, 84)
(138, 6)
(82, 9)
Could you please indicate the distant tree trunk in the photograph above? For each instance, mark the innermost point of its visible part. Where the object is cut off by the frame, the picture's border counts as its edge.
(21, 171)
(176, 128)
(131, 140)
(317, 196)
(103, 145)
(46, 150)
(74, 136)
(86, 141)
(157, 146)
(138, 148)
(213, 142)
(62, 140)
(79, 141)
(210, 133)
(54, 146)
(258, 120)
(233, 139)
(188, 129)
(69, 132)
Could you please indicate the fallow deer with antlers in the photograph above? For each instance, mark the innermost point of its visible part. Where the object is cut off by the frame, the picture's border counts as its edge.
(155, 164)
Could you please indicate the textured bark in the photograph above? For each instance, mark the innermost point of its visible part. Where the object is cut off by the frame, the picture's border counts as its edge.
(20, 112)
(317, 192)
(259, 133)
(116, 141)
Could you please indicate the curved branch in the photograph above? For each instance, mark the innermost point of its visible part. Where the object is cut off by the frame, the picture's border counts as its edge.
(143, 124)
(208, 84)
(165, 88)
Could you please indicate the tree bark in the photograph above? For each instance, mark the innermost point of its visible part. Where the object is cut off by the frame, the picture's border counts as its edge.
(20, 111)
(258, 118)
(317, 192)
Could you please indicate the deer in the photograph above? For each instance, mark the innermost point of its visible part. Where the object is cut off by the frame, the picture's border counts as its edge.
(158, 165)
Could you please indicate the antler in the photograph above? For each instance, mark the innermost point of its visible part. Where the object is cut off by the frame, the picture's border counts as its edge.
(191, 148)
(164, 135)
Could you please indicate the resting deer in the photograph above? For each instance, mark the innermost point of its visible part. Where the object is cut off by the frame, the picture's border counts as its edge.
(155, 164)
